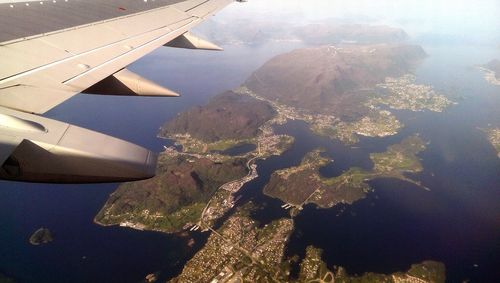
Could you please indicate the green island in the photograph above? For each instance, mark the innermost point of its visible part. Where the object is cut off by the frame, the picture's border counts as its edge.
(494, 138)
(5, 279)
(41, 236)
(491, 72)
(297, 186)
(244, 251)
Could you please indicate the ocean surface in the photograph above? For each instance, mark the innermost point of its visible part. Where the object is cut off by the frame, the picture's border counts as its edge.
(456, 222)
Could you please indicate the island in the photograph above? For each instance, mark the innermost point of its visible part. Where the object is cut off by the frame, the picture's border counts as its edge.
(341, 92)
(494, 138)
(41, 236)
(297, 186)
(330, 79)
(175, 198)
(491, 72)
(244, 251)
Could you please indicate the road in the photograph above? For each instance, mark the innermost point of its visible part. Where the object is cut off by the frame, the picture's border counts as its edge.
(250, 172)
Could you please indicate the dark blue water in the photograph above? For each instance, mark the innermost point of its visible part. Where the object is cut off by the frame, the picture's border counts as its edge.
(457, 222)
(81, 250)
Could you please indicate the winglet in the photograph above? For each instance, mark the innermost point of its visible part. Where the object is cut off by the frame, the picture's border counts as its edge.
(189, 41)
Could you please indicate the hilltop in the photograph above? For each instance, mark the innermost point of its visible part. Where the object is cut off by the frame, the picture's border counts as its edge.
(491, 72)
(329, 31)
(228, 116)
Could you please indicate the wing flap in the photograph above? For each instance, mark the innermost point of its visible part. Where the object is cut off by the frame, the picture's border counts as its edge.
(126, 82)
(7, 145)
(189, 41)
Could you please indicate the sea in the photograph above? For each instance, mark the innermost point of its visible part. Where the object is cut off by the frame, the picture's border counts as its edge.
(456, 222)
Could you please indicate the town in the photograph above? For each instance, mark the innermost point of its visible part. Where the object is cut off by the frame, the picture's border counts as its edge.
(490, 76)
(494, 138)
(402, 93)
(376, 124)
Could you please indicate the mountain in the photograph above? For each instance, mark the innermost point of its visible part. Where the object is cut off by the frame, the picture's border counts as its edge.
(494, 65)
(226, 116)
(172, 199)
(334, 33)
(331, 79)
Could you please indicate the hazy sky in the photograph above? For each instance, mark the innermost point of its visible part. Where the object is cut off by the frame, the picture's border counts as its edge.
(456, 17)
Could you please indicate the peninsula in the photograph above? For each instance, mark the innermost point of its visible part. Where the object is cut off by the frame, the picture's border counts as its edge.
(297, 186)
(403, 94)
(175, 198)
(491, 72)
(241, 249)
(494, 138)
(314, 269)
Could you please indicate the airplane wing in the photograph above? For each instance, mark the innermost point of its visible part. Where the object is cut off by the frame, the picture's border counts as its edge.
(51, 50)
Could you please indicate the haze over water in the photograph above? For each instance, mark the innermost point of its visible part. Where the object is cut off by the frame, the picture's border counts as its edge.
(397, 225)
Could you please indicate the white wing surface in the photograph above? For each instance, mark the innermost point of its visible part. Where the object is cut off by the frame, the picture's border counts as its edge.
(52, 50)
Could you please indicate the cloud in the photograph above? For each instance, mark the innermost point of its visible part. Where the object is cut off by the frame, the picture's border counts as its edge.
(416, 16)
